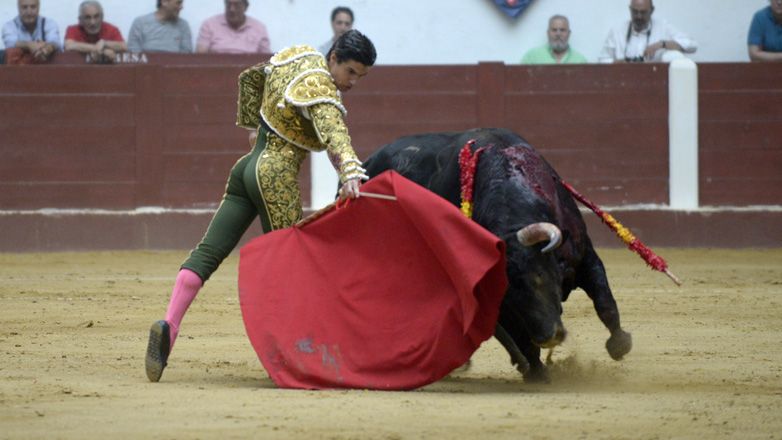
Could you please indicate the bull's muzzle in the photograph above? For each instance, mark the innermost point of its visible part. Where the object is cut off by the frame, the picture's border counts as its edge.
(559, 337)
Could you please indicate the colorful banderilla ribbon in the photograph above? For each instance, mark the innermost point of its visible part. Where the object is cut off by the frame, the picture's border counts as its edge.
(468, 162)
(653, 260)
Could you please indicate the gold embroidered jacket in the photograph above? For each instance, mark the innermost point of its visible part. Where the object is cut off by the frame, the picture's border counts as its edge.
(296, 96)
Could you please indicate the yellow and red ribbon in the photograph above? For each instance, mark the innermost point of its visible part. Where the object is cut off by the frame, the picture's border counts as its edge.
(468, 163)
(654, 261)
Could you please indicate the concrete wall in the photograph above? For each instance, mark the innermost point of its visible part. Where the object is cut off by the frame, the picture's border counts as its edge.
(454, 32)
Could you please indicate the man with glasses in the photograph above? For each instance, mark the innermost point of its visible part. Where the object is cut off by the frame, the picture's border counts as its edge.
(765, 33)
(643, 38)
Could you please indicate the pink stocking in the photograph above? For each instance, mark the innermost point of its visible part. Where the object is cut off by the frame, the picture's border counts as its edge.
(185, 290)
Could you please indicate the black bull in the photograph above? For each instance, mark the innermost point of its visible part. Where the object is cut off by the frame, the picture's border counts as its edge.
(514, 188)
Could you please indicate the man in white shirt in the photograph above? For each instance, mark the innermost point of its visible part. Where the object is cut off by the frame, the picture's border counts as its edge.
(643, 38)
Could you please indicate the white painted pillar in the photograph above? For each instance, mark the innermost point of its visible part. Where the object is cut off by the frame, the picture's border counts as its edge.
(683, 134)
(324, 181)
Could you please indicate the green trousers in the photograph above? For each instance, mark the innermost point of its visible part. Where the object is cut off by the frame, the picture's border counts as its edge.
(241, 204)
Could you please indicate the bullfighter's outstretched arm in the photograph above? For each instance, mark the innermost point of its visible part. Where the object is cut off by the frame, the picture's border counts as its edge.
(333, 133)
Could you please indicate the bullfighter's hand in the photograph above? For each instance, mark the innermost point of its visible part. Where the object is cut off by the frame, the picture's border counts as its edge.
(350, 189)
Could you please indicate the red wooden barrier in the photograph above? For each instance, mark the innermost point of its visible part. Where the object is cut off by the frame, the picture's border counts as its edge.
(163, 134)
(740, 134)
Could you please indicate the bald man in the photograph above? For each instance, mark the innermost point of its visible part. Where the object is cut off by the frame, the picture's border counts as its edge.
(558, 50)
(644, 37)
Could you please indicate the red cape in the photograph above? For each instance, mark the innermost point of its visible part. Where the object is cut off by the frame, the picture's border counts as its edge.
(377, 294)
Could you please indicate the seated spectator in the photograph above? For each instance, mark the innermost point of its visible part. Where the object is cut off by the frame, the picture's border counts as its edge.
(233, 32)
(341, 22)
(161, 31)
(99, 40)
(557, 50)
(765, 33)
(30, 38)
(643, 38)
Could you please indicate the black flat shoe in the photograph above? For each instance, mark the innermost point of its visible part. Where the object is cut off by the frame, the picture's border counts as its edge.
(157, 350)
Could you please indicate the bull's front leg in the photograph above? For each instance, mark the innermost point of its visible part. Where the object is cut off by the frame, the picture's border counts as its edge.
(592, 278)
(514, 337)
(517, 359)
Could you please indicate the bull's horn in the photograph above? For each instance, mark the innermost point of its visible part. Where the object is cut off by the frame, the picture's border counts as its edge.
(538, 232)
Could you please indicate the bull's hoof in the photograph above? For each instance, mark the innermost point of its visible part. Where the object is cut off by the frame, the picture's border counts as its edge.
(537, 375)
(522, 367)
(619, 344)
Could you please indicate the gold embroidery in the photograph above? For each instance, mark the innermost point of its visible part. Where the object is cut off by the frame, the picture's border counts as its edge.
(290, 54)
(333, 133)
(251, 82)
(303, 75)
(313, 87)
(277, 172)
(293, 84)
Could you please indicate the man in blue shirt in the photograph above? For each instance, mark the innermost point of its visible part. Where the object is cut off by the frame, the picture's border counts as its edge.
(765, 33)
(33, 34)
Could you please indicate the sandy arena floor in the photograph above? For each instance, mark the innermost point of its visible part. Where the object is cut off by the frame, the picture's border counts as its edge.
(706, 362)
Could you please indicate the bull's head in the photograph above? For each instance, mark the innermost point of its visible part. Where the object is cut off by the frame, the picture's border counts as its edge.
(508, 204)
(541, 284)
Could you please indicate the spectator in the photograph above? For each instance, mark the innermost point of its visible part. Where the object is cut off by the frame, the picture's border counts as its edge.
(341, 22)
(161, 31)
(765, 33)
(100, 40)
(558, 50)
(644, 38)
(30, 37)
(233, 32)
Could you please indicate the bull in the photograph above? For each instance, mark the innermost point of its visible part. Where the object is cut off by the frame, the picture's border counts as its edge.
(519, 198)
